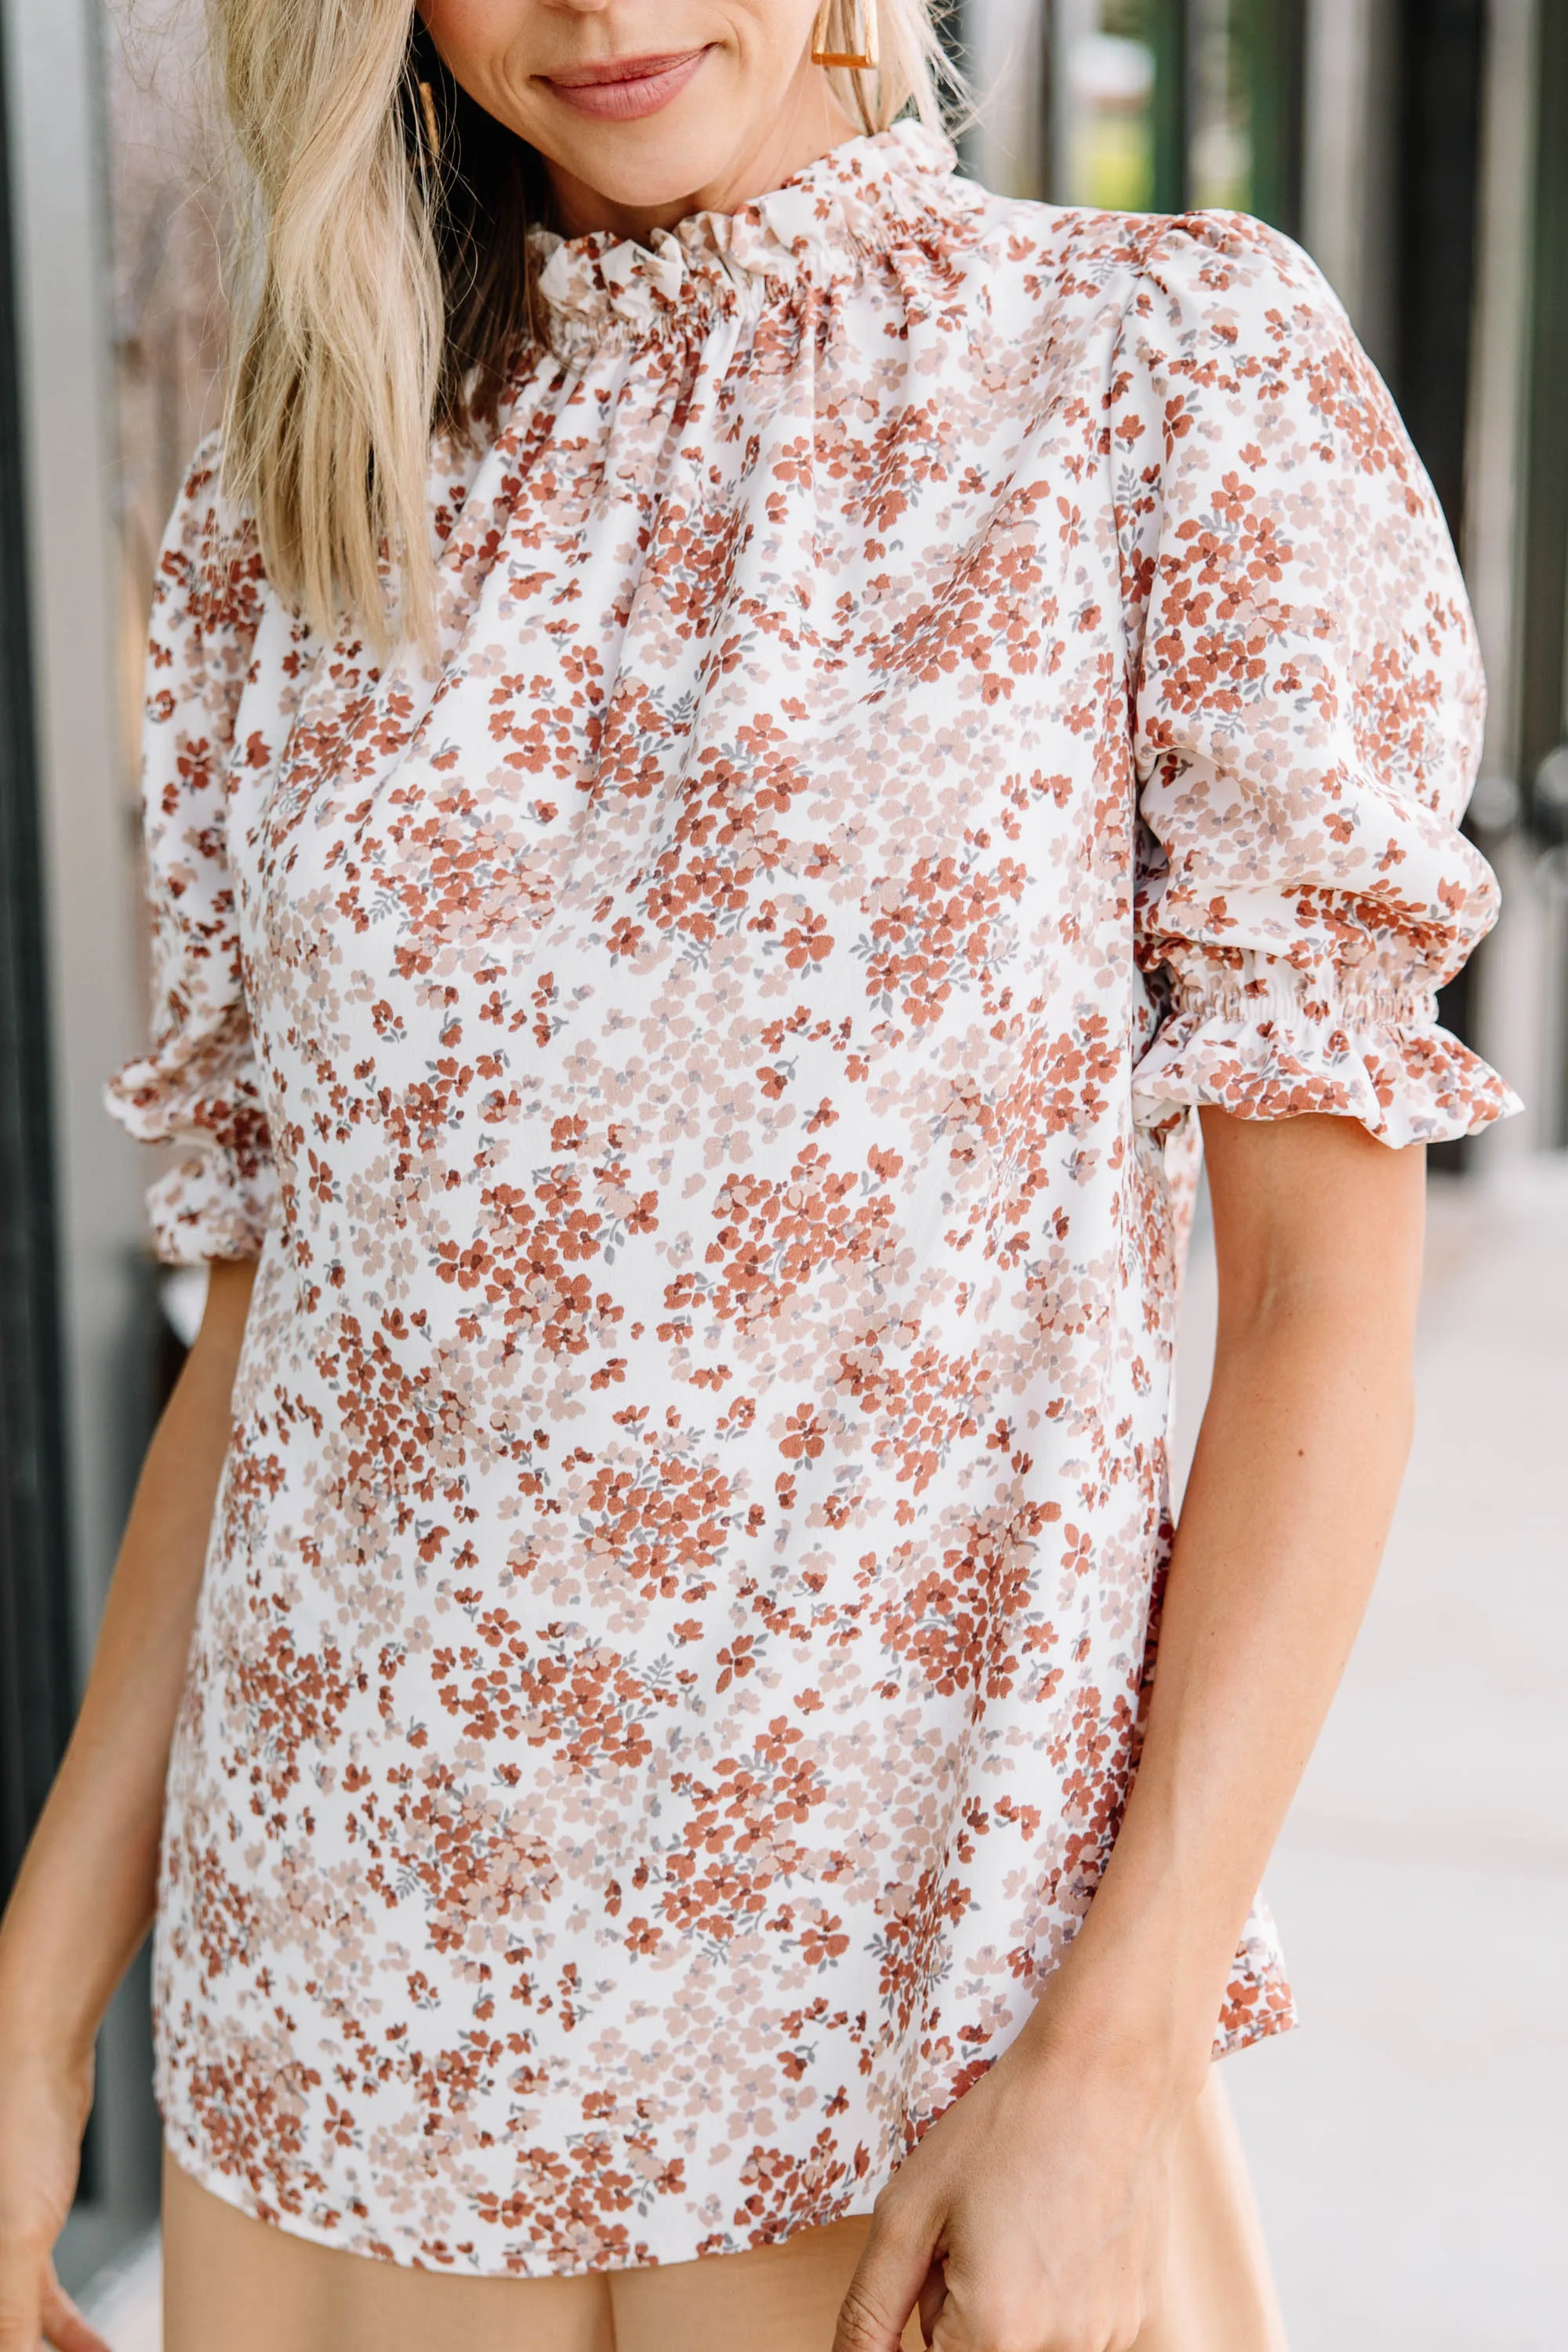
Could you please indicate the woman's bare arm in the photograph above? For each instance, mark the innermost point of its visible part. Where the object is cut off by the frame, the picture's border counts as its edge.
(84, 1895)
(1037, 2206)
(1318, 1231)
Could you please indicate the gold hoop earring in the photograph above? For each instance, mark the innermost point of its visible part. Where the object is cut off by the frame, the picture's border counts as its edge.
(865, 59)
(432, 127)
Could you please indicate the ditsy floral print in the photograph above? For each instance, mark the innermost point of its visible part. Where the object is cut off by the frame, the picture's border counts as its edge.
(929, 690)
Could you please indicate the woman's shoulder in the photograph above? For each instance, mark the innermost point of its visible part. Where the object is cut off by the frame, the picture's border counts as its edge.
(1233, 276)
(1200, 270)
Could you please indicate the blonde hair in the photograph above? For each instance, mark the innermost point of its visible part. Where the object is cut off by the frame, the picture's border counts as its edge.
(389, 289)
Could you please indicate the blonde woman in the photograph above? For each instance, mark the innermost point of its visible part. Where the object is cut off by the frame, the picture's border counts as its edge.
(742, 739)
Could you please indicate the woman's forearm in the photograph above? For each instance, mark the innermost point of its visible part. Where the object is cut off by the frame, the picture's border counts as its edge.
(1036, 2208)
(83, 1897)
(1297, 1471)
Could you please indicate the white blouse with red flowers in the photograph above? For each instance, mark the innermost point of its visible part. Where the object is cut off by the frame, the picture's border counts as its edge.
(931, 689)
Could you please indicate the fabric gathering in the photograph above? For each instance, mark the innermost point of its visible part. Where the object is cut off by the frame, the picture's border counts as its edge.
(932, 691)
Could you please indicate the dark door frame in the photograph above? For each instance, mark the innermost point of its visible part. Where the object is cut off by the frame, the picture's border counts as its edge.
(1543, 601)
(1441, 64)
(35, 1666)
(1543, 569)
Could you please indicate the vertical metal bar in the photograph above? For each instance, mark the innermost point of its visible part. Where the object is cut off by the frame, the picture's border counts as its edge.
(1168, 33)
(57, 136)
(35, 1552)
(1543, 601)
(1442, 44)
(1543, 617)
(1274, 33)
(1438, 133)
(1051, 158)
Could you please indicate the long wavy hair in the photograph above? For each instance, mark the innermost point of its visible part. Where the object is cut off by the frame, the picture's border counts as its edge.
(384, 292)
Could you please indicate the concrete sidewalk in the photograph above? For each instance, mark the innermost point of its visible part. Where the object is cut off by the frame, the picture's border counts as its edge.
(1410, 2142)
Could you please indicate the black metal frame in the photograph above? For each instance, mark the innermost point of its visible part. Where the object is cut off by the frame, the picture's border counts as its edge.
(1543, 604)
(1543, 584)
(1441, 61)
(36, 1672)
(1168, 33)
(1442, 57)
(1276, 35)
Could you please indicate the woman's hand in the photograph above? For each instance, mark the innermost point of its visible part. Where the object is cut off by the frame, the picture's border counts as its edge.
(44, 2106)
(1033, 2217)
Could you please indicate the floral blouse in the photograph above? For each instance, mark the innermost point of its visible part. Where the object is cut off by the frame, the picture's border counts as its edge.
(931, 689)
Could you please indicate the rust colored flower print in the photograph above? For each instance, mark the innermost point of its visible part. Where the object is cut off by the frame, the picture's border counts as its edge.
(929, 690)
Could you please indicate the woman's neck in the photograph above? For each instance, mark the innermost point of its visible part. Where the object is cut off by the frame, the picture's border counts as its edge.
(804, 128)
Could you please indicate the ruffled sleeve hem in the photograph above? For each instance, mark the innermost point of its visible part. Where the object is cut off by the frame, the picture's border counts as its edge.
(198, 1088)
(1282, 1044)
(200, 1211)
(219, 1198)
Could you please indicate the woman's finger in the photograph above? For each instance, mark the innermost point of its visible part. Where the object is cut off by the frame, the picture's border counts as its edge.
(63, 2327)
(932, 2295)
(888, 2281)
(20, 2280)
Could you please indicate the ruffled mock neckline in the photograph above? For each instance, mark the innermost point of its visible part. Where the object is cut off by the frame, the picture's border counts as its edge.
(864, 196)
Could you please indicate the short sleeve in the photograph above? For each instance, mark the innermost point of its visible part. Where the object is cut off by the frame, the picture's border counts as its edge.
(1308, 703)
(196, 1086)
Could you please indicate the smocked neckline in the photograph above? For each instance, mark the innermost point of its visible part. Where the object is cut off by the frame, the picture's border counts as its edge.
(863, 196)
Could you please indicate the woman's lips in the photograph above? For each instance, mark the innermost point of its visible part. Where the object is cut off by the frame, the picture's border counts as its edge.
(621, 90)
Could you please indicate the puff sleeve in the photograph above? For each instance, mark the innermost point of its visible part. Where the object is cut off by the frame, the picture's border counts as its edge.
(196, 1087)
(1308, 703)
